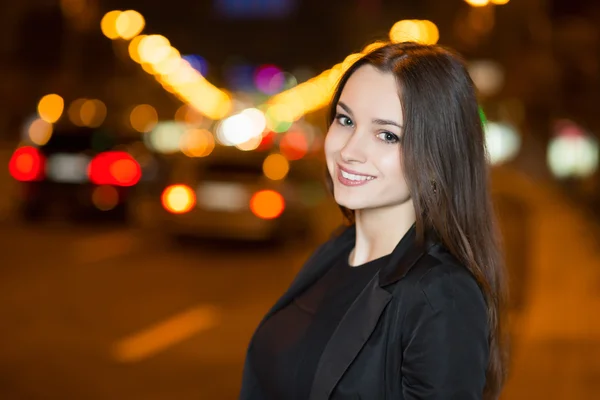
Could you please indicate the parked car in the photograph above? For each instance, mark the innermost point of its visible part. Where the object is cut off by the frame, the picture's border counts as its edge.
(228, 195)
(78, 171)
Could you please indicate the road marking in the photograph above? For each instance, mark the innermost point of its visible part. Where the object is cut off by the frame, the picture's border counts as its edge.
(104, 246)
(163, 335)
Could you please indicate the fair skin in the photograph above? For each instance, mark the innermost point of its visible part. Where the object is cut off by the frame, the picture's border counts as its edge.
(364, 139)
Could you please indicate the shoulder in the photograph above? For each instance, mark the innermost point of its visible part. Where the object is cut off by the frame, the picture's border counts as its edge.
(442, 282)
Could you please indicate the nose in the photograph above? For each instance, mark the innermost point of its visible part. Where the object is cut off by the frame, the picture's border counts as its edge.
(354, 150)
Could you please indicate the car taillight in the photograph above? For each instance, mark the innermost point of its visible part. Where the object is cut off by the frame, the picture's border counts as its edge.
(267, 204)
(117, 168)
(178, 199)
(27, 164)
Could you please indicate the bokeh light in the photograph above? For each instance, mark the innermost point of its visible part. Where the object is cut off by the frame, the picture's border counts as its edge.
(92, 113)
(51, 107)
(175, 74)
(108, 24)
(477, 3)
(293, 145)
(276, 167)
(373, 46)
(188, 115)
(422, 31)
(198, 63)
(267, 204)
(502, 142)
(573, 152)
(129, 24)
(134, 48)
(279, 118)
(105, 197)
(75, 112)
(143, 118)
(166, 137)
(269, 79)
(39, 131)
(197, 143)
(154, 48)
(242, 127)
(178, 199)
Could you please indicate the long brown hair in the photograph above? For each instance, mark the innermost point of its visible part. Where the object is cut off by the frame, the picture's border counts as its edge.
(445, 166)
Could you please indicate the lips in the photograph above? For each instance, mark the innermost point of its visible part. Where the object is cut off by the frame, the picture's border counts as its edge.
(350, 182)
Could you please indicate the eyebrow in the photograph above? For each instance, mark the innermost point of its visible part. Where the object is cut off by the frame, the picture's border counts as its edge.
(377, 121)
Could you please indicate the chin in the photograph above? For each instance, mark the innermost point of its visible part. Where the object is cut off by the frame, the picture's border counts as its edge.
(349, 203)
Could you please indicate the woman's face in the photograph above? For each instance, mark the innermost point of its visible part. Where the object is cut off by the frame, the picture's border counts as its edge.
(362, 146)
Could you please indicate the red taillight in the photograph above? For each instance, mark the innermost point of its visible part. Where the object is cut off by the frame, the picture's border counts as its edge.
(117, 168)
(26, 164)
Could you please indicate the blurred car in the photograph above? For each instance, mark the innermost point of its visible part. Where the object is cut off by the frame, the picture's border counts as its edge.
(78, 171)
(228, 195)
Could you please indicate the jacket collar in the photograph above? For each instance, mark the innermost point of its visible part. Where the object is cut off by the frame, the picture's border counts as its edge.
(405, 254)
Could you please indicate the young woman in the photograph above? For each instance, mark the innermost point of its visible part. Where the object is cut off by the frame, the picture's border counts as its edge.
(404, 303)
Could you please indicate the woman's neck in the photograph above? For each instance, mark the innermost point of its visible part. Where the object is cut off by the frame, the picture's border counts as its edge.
(379, 230)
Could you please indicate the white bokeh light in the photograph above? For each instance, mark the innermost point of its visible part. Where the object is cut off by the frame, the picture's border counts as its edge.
(502, 142)
(241, 128)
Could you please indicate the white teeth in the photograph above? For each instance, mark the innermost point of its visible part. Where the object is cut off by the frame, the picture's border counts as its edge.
(353, 177)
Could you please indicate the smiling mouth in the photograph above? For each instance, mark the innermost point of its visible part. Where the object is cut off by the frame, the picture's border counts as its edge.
(348, 179)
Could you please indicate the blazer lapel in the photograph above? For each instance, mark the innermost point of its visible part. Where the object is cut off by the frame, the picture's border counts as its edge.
(360, 320)
(348, 338)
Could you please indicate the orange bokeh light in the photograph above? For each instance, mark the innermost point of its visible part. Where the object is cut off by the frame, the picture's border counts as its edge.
(267, 204)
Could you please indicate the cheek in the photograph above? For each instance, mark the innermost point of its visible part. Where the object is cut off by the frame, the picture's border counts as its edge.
(332, 143)
(392, 165)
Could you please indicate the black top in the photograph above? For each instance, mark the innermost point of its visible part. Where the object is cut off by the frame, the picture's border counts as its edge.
(288, 345)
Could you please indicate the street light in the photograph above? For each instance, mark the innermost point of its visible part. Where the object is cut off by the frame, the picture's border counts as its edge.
(483, 3)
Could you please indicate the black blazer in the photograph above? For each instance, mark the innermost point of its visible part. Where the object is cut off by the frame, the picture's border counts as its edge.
(417, 331)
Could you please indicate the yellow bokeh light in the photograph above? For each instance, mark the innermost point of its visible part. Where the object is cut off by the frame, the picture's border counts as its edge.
(178, 199)
(197, 143)
(276, 167)
(129, 23)
(373, 46)
(154, 48)
(478, 3)
(75, 111)
(421, 31)
(108, 24)
(406, 31)
(92, 113)
(40, 131)
(168, 64)
(149, 68)
(250, 144)
(134, 48)
(143, 118)
(433, 33)
(500, 2)
(347, 63)
(158, 58)
(51, 107)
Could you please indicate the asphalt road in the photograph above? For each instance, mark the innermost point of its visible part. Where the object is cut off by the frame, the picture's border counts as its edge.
(108, 313)
(111, 313)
